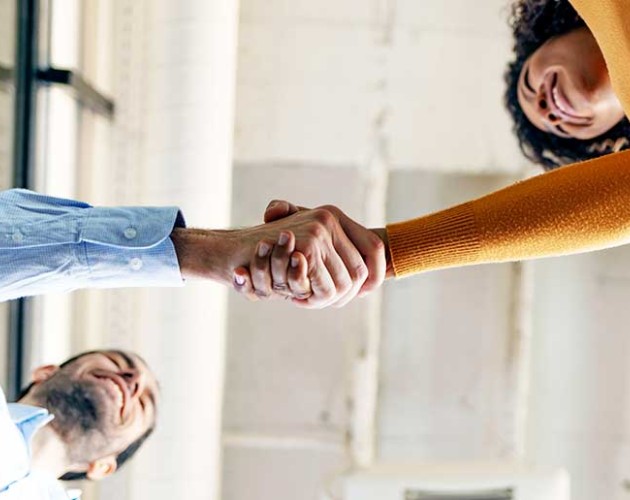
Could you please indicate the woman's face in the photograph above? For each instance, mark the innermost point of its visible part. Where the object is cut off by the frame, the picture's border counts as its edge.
(564, 88)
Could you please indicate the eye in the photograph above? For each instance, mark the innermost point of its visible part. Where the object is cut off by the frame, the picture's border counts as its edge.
(562, 130)
(527, 83)
(114, 361)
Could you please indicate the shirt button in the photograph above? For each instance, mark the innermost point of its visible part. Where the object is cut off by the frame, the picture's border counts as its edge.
(135, 264)
(130, 233)
(17, 237)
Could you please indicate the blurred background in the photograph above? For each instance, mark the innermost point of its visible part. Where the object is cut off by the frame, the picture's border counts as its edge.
(492, 382)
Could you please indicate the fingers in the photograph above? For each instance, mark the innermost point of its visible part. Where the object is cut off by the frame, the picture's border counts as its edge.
(280, 262)
(343, 261)
(242, 282)
(372, 249)
(279, 209)
(276, 270)
(298, 281)
(322, 286)
(355, 267)
(260, 269)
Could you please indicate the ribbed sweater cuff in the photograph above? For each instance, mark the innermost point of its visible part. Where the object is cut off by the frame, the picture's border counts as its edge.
(444, 239)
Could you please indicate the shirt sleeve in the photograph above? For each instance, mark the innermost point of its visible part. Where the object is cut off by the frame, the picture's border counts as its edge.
(52, 244)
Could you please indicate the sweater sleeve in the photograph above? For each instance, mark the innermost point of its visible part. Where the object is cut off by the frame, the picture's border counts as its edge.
(578, 209)
(571, 210)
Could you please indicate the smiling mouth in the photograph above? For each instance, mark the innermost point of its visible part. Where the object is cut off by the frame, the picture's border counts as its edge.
(562, 106)
(118, 391)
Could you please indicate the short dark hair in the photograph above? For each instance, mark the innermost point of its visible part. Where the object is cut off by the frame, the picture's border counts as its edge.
(533, 22)
(123, 456)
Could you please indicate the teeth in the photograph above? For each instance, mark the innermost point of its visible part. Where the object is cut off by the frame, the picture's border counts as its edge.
(119, 393)
(557, 99)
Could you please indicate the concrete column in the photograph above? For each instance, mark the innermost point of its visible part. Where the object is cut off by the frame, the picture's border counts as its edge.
(175, 84)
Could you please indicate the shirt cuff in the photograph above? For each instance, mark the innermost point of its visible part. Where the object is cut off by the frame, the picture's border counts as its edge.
(131, 247)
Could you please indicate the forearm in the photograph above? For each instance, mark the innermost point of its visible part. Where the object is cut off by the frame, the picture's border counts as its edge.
(577, 208)
(207, 254)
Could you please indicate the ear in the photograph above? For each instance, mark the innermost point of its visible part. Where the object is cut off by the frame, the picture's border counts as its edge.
(44, 373)
(101, 468)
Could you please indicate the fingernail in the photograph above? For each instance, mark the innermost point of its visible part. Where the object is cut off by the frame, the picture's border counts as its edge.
(283, 239)
(294, 261)
(239, 280)
(263, 250)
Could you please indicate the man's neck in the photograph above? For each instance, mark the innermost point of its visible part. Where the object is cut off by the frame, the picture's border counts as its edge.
(48, 451)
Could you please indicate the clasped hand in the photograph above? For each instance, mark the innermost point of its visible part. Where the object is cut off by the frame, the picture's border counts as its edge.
(323, 259)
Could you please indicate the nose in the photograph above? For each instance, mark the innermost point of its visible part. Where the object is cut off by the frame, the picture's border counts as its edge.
(135, 380)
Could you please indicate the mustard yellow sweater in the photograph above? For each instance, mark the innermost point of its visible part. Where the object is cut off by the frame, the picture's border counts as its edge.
(576, 209)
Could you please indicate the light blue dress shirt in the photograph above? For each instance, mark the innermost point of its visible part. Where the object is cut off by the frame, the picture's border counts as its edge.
(52, 244)
(18, 425)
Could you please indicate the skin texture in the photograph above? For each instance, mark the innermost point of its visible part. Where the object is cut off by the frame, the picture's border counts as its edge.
(337, 256)
(102, 402)
(260, 276)
(565, 88)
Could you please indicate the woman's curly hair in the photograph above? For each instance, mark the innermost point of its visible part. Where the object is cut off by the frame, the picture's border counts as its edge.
(533, 22)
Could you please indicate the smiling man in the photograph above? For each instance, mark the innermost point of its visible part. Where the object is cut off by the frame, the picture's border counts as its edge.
(83, 419)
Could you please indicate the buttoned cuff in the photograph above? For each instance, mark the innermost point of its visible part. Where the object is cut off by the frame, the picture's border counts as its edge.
(131, 247)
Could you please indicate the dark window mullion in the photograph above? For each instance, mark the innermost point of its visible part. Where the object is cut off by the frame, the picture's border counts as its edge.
(85, 93)
(23, 161)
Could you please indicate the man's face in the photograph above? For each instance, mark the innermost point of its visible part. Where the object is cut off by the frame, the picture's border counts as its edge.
(102, 402)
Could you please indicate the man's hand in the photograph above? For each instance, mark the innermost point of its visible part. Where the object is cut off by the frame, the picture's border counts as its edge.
(267, 273)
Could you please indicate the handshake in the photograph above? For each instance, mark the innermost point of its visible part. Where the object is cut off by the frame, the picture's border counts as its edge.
(314, 257)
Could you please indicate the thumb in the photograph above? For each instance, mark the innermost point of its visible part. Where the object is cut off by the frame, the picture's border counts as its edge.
(279, 209)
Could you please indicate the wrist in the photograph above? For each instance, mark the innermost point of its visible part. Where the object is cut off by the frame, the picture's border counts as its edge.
(381, 232)
(207, 254)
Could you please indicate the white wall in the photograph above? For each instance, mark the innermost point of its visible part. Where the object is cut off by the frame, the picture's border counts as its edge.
(334, 101)
(579, 402)
(331, 97)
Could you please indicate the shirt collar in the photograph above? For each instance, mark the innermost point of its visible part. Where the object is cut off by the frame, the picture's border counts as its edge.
(29, 419)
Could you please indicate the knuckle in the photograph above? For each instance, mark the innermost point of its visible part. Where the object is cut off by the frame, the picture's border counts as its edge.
(344, 287)
(331, 209)
(317, 230)
(329, 294)
(263, 294)
(279, 259)
(377, 244)
(324, 216)
(359, 272)
(274, 202)
(280, 287)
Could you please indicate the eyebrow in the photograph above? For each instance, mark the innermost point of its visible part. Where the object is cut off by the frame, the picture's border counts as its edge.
(127, 359)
